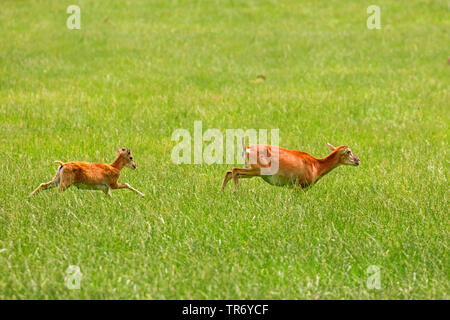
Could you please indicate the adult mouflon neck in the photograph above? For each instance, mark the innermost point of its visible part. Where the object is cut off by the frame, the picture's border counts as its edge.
(328, 163)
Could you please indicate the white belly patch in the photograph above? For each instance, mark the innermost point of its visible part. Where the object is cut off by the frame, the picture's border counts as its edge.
(91, 186)
(279, 181)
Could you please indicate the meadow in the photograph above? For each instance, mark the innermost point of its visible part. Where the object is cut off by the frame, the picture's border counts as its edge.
(138, 70)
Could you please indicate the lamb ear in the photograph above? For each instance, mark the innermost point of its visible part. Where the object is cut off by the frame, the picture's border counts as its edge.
(118, 149)
(128, 151)
(330, 146)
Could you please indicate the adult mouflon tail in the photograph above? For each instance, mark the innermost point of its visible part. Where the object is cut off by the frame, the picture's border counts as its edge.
(245, 153)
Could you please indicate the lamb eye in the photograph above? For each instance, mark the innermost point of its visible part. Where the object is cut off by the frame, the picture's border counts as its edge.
(131, 158)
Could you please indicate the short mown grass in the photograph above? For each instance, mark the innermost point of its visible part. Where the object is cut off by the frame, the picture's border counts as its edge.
(138, 70)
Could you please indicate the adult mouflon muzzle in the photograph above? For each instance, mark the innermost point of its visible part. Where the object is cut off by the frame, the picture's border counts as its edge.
(356, 160)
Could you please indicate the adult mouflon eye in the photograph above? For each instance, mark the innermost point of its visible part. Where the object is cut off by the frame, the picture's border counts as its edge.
(131, 158)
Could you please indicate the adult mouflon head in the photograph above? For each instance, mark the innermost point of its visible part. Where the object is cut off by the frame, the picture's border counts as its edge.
(346, 156)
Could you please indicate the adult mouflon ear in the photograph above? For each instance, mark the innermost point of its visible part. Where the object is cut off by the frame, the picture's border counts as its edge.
(330, 146)
(119, 150)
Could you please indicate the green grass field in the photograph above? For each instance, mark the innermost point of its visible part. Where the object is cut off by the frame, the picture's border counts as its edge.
(138, 70)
